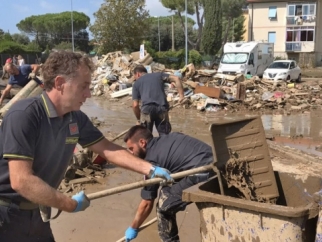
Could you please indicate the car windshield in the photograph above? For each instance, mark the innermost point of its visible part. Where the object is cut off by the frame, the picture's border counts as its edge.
(279, 65)
(234, 58)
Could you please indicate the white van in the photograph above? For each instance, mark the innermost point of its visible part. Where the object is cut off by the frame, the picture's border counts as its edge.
(246, 58)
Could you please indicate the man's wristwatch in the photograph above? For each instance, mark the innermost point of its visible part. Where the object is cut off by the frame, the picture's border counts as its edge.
(152, 169)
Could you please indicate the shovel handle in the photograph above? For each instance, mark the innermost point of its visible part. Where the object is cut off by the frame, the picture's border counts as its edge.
(149, 182)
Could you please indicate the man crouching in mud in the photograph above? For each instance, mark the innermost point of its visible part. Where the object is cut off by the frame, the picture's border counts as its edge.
(175, 152)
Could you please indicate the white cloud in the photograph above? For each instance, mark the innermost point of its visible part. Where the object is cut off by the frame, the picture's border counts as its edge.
(21, 8)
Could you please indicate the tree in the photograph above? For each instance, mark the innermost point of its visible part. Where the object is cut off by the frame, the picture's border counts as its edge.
(166, 33)
(231, 9)
(193, 7)
(120, 24)
(20, 38)
(53, 28)
(211, 35)
(237, 29)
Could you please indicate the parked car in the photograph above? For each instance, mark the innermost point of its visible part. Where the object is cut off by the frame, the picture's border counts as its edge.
(283, 70)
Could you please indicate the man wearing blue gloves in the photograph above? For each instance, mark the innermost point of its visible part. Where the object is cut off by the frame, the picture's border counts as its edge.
(37, 140)
(175, 152)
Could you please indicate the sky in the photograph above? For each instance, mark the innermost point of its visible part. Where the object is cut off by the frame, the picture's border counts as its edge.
(17, 10)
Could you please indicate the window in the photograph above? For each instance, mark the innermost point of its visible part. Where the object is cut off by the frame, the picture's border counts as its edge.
(297, 34)
(272, 13)
(259, 55)
(271, 37)
(292, 66)
(301, 9)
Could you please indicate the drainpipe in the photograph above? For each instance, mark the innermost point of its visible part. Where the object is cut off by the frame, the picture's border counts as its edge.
(251, 29)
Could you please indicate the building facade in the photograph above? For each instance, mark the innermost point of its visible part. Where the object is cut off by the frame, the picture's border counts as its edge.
(291, 25)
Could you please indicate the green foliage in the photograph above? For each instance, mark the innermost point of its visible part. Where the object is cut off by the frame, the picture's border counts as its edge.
(236, 30)
(120, 24)
(148, 48)
(10, 47)
(64, 46)
(176, 59)
(20, 39)
(231, 9)
(193, 7)
(211, 34)
(53, 28)
(6, 36)
(166, 33)
(179, 5)
(33, 47)
(194, 57)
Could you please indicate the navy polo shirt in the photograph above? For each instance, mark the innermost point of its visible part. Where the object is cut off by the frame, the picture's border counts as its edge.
(149, 88)
(31, 130)
(175, 152)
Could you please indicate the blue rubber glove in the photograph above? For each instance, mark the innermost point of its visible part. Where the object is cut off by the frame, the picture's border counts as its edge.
(130, 234)
(162, 173)
(82, 201)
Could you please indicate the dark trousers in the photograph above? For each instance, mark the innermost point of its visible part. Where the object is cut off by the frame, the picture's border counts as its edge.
(169, 203)
(159, 119)
(23, 226)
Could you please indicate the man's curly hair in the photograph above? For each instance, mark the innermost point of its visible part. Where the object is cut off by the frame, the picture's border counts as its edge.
(63, 63)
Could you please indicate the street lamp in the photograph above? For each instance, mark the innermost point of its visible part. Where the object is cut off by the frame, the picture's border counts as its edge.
(186, 34)
(71, 16)
(159, 33)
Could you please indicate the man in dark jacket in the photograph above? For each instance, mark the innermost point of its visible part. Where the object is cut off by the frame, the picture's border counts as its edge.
(175, 152)
(149, 88)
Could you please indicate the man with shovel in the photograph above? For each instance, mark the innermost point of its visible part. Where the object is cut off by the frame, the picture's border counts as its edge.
(175, 152)
(37, 139)
(149, 89)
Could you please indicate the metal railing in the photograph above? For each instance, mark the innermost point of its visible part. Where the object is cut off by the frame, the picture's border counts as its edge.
(294, 20)
(293, 46)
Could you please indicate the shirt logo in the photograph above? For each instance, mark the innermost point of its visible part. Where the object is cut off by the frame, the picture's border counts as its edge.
(73, 129)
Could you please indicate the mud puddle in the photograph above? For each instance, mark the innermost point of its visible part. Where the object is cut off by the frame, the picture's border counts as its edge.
(300, 131)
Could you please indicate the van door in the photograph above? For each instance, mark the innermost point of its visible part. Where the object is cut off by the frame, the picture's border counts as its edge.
(250, 65)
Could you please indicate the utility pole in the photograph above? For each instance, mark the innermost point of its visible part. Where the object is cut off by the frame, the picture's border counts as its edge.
(172, 34)
(71, 16)
(159, 33)
(186, 34)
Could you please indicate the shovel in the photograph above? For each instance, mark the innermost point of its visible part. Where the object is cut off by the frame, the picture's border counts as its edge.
(92, 196)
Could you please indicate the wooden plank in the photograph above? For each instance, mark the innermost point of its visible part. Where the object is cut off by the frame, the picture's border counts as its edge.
(209, 91)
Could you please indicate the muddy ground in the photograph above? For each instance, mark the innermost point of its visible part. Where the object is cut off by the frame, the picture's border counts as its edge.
(108, 218)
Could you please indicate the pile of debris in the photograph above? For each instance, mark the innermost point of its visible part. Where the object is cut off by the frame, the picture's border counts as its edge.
(206, 89)
(114, 72)
(238, 92)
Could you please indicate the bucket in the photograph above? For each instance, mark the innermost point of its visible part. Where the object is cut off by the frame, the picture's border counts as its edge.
(225, 218)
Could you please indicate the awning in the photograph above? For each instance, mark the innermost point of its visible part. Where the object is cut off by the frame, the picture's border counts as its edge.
(272, 12)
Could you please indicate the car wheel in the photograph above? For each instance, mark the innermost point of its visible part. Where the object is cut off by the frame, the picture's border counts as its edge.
(299, 78)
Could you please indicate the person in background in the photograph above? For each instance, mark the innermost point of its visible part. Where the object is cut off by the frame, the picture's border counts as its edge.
(15, 60)
(5, 74)
(21, 61)
(19, 75)
(149, 89)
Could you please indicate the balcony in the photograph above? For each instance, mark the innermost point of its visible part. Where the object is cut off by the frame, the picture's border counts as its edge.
(293, 46)
(304, 46)
(296, 20)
